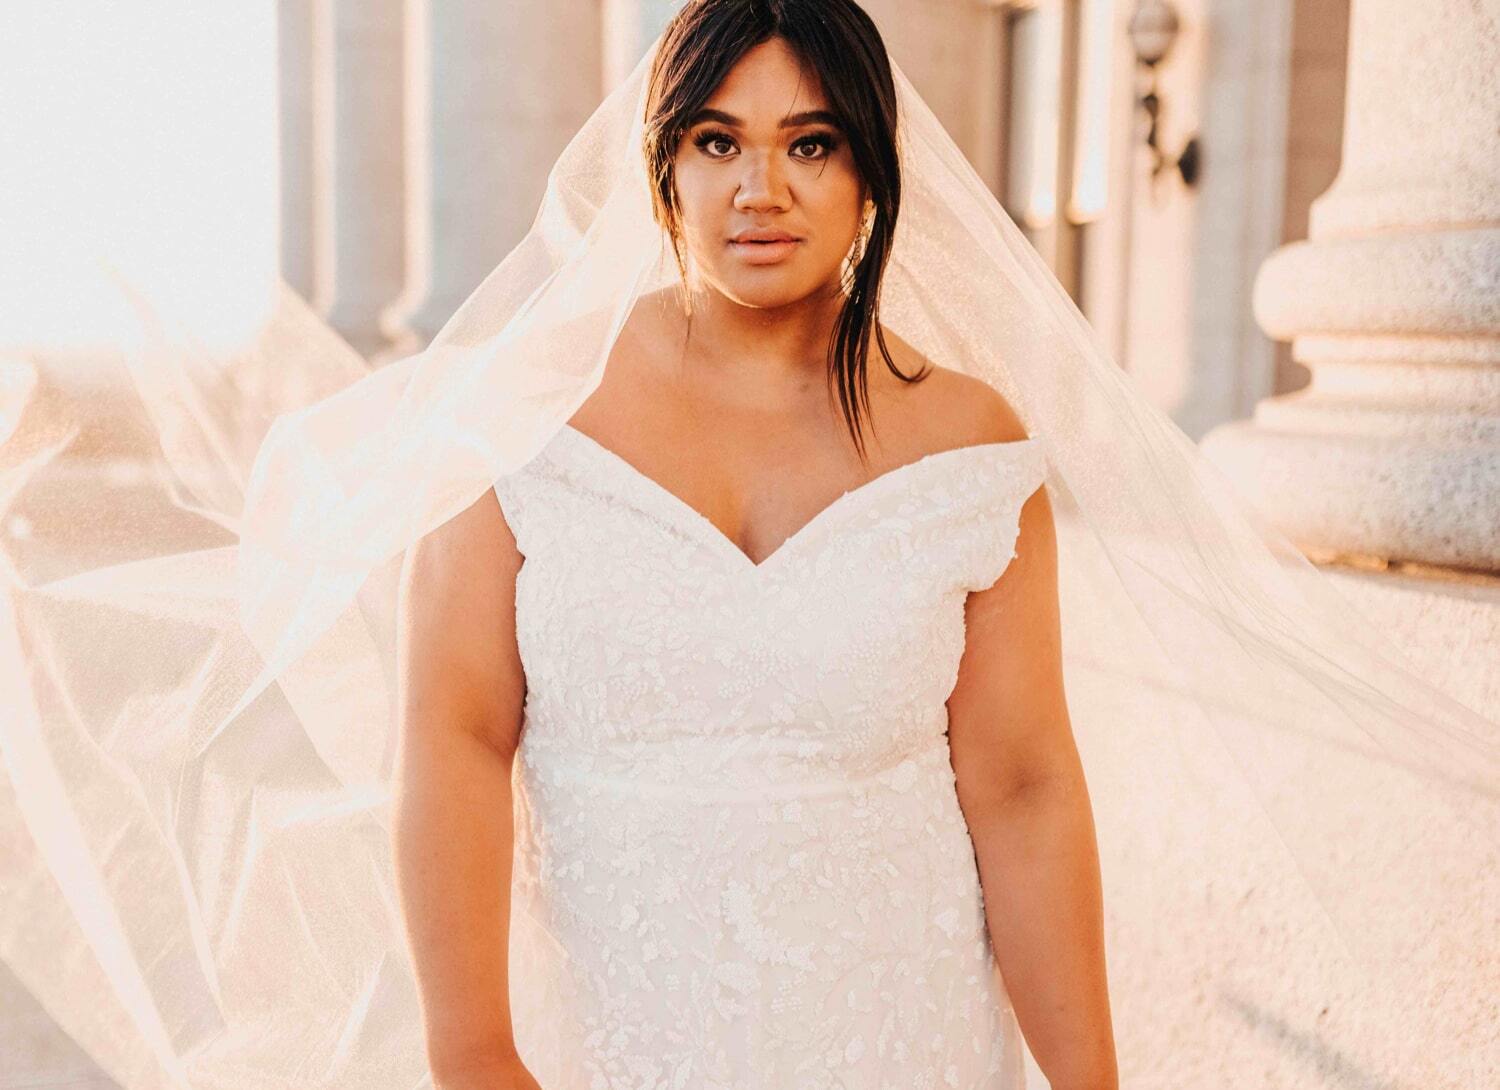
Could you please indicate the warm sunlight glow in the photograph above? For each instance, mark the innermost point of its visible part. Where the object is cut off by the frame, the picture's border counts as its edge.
(1091, 154)
(139, 137)
(1036, 48)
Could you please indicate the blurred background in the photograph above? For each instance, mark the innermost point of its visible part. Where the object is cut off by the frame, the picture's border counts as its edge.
(1282, 216)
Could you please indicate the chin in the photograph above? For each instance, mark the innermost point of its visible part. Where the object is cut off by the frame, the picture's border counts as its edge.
(768, 290)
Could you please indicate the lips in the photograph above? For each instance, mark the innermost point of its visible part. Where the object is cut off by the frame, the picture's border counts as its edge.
(763, 236)
(762, 246)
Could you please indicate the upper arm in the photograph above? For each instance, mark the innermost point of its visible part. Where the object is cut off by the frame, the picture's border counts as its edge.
(458, 661)
(1008, 716)
(461, 694)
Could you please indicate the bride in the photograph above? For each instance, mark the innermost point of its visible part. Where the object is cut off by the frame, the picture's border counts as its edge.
(783, 622)
(683, 672)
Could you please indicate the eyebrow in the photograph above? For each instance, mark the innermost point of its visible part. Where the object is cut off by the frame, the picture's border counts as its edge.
(792, 121)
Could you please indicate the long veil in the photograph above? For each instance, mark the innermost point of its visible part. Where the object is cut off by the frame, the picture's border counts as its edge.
(1297, 830)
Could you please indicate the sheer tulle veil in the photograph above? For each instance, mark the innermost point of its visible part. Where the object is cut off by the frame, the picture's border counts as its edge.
(1297, 831)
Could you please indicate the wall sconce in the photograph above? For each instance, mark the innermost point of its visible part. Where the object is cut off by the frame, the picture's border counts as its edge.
(1152, 30)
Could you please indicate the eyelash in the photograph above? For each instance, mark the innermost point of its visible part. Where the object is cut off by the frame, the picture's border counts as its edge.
(826, 141)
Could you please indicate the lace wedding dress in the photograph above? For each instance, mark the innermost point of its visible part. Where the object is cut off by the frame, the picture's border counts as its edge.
(740, 859)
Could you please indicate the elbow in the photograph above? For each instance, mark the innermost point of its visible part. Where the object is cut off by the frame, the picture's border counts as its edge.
(1042, 787)
(1025, 795)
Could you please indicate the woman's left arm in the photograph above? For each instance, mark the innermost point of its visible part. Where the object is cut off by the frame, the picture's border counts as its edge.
(1021, 788)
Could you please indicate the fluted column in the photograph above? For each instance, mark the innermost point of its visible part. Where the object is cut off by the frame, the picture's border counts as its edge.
(494, 92)
(357, 171)
(1393, 451)
(296, 87)
(629, 27)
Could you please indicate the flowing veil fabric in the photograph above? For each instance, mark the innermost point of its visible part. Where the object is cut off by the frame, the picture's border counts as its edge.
(1296, 830)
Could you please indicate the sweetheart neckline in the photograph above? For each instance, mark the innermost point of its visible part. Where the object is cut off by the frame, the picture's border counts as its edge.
(827, 512)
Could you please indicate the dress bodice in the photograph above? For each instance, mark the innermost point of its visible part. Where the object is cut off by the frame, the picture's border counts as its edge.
(738, 844)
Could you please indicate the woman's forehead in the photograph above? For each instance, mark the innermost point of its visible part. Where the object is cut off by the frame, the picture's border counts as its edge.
(770, 82)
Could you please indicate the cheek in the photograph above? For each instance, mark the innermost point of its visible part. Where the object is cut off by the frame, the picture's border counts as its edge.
(839, 206)
(700, 206)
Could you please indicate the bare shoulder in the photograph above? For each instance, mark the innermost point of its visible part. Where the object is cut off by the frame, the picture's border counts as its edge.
(632, 386)
(979, 411)
(460, 575)
(470, 542)
(458, 661)
(949, 407)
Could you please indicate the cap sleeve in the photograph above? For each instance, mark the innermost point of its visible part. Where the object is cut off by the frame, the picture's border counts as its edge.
(514, 490)
(987, 528)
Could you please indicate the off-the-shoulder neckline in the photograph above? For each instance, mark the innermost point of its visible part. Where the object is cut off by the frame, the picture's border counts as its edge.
(864, 492)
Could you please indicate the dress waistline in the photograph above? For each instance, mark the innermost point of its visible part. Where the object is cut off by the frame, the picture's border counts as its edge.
(739, 777)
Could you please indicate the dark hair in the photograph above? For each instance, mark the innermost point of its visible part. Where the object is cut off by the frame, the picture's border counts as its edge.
(839, 41)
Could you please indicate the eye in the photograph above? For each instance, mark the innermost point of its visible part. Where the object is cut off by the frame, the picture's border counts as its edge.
(709, 137)
(822, 143)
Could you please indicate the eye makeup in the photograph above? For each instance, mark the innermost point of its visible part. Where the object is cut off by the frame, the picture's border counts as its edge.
(827, 141)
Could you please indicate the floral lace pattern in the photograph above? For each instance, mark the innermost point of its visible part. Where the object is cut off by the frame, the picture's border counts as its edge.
(740, 860)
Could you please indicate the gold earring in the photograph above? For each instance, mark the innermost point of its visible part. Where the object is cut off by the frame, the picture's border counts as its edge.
(866, 228)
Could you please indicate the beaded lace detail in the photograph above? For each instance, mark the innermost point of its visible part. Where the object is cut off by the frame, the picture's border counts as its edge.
(740, 860)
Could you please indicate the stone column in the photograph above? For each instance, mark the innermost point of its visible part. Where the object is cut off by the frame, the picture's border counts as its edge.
(1392, 453)
(494, 93)
(296, 80)
(357, 176)
(629, 27)
(955, 55)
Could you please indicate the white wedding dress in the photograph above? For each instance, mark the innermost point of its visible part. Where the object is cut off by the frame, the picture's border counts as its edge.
(740, 859)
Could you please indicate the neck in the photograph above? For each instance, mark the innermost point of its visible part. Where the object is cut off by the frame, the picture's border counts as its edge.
(789, 341)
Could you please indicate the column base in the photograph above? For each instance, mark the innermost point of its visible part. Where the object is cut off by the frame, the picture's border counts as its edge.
(1369, 496)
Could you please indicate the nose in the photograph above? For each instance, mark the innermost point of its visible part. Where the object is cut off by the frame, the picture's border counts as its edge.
(762, 184)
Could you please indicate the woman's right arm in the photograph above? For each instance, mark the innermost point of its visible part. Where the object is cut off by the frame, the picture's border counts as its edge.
(460, 691)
